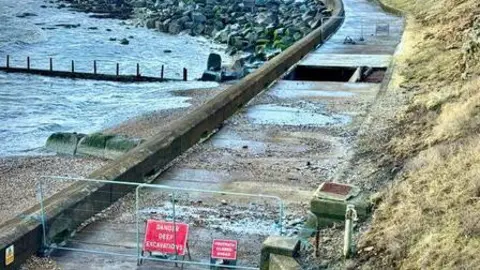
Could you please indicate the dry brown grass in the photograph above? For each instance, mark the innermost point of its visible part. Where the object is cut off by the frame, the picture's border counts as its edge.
(430, 217)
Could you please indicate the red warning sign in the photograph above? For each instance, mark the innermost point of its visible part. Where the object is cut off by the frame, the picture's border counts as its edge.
(160, 237)
(224, 249)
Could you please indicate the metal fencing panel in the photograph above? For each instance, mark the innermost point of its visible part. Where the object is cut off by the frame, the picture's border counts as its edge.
(367, 30)
(121, 229)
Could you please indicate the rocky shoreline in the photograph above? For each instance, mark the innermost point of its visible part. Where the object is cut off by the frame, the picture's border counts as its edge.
(254, 30)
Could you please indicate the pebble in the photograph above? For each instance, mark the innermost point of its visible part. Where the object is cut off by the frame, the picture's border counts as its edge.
(370, 248)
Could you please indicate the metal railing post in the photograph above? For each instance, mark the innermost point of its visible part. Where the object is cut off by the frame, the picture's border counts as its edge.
(8, 61)
(28, 62)
(51, 64)
(350, 217)
(174, 229)
(42, 213)
(137, 218)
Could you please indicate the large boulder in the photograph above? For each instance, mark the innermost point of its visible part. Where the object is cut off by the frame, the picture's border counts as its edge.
(174, 28)
(188, 25)
(198, 29)
(251, 37)
(165, 25)
(183, 20)
(239, 67)
(214, 62)
(139, 3)
(211, 76)
(150, 23)
(222, 36)
(198, 17)
(158, 25)
(218, 24)
(315, 23)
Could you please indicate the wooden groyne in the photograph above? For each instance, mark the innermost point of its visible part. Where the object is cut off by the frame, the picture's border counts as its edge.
(94, 75)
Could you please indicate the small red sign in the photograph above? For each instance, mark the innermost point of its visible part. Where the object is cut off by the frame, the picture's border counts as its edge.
(224, 249)
(160, 237)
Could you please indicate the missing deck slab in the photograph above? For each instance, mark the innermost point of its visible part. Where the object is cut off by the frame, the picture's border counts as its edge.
(314, 73)
(336, 74)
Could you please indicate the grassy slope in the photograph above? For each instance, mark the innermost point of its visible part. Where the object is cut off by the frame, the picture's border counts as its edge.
(430, 217)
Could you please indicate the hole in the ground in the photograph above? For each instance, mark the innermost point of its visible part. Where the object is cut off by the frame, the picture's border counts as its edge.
(312, 73)
(373, 75)
(336, 74)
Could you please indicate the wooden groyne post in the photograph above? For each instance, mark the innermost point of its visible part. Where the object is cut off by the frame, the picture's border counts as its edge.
(96, 75)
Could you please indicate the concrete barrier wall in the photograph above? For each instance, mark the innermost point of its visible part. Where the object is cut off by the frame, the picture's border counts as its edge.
(96, 144)
(154, 154)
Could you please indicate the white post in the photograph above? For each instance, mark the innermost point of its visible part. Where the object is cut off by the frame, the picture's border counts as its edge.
(350, 217)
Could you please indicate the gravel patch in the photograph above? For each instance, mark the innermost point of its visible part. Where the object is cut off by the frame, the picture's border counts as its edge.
(19, 177)
(35, 263)
(147, 125)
